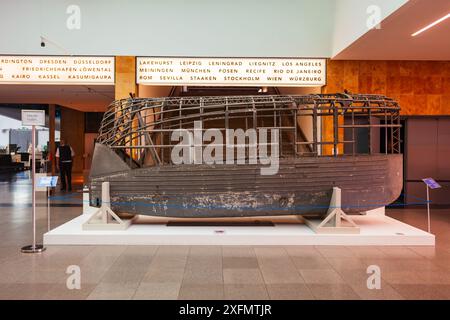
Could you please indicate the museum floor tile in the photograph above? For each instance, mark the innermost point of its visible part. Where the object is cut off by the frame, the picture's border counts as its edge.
(210, 272)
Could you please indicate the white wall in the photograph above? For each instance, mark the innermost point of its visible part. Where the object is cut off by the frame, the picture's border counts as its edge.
(258, 28)
(170, 27)
(6, 124)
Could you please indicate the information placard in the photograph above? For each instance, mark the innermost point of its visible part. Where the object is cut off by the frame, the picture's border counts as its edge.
(47, 181)
(430, 182)
(33, 117)
(276, 72)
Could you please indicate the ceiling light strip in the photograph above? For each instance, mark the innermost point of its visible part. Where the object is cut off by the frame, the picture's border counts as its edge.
(431, 25)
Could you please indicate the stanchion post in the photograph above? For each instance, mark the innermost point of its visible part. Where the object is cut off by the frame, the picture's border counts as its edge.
(428, 209)
(33, 118)
(48, 208)
(431, 184)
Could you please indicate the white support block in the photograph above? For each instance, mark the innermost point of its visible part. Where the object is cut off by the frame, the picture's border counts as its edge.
(375, 231)
(336, 220)
(86, 206)
(104, 218)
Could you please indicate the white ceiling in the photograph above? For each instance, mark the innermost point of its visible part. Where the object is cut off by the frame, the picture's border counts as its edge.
(394, 42)
(83, 98)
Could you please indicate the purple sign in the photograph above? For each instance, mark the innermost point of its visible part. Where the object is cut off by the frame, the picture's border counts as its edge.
(431, 183)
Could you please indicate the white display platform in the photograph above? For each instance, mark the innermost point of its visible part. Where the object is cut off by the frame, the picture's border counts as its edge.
(375, 229)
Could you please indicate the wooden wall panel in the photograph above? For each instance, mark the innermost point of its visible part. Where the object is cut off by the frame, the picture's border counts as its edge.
(72, 131)
(125, 77)
(421, 87)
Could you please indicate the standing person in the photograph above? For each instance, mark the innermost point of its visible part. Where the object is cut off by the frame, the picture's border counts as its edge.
(64, 156)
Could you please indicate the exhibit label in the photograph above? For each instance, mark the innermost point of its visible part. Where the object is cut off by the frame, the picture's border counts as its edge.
(33, 117)
(47, 182)
(57, 70)
(276, 72)
(430, 182)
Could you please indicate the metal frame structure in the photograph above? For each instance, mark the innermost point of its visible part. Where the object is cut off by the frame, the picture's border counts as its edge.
(138, 129)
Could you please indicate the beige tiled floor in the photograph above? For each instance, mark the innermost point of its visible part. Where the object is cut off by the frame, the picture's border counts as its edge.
(297, 291)
(214, 272)
(333, 292)
(321, 276)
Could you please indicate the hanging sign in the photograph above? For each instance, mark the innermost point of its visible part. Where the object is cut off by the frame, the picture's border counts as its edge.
(275, 72)
(57, 70)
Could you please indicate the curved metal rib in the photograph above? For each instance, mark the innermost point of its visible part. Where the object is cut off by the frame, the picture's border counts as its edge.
(134, 126)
